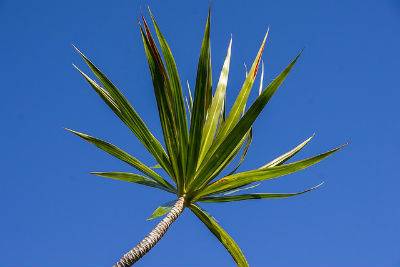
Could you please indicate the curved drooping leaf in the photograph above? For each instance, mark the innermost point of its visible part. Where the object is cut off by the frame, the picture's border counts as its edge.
(122, 155)
(200, 104)
(231, 198)
(222, 235)
(215, 110)
(133, 178)
(218, 154)
(123, 109)
(288, 155)
(240, 179)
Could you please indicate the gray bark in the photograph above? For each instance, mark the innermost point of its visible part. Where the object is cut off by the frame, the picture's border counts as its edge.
(153, 237)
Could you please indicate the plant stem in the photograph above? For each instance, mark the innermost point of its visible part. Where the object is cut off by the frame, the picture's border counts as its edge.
(153, 237)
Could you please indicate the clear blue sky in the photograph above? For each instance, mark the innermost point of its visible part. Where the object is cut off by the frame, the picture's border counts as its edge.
(345, 88)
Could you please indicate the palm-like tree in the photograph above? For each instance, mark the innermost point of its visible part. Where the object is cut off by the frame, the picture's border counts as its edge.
(201, 139)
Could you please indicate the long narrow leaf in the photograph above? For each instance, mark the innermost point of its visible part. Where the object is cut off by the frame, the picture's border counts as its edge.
(288, 155)
(123, 109)
(206, 171)
(163, 93)
(242, 188)
(260, 88)
(221, 235)
(190, 95)
(202, 89)
(246, 146)
(240, 179)
(213, 114)
(220, 199)
(230, 157)
(176, 89)
(133, 178)
(122, 155)
(241, 100)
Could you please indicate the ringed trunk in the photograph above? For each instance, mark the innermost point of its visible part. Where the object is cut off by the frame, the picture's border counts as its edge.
(153, 237)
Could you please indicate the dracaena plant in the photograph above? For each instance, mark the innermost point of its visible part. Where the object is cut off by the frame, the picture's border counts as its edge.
(201, 139)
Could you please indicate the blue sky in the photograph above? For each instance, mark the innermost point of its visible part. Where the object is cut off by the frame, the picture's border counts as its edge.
(344, 88)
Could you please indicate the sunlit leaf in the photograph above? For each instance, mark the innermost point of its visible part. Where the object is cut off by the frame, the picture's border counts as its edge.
(122, 155)
(218, 155)
(231, 198)
(122, 108)
(221, 235)
(199, 111)
(246, 146)
(134, 178)
(217, 104)
(288, 155)
(240, 179)
(164, 99)
(161, 210)
(241, 100)
(178, 102)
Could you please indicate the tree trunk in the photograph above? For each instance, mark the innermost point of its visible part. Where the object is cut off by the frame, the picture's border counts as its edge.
(153, 237)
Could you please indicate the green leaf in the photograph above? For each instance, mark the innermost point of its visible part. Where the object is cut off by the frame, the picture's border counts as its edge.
(243, 188)
(165, 101)
(285, 157)
(190, 96)
(249, 139)
(122, 155)
(261, 78)
(134, 178)
(179, 105)
(230, 157)
(157, 166)
(219, 199)
(217, 104)
(240, 179)
(221, 235)
(219, 153)
(161, 210)
(123, 109)
(199, 111)
(240, 102)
